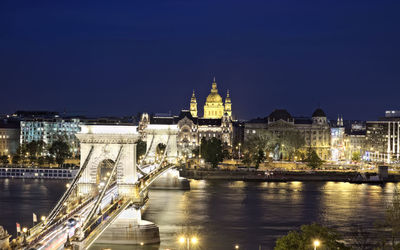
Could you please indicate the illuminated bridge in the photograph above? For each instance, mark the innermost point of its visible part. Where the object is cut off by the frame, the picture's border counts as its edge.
(103, 202)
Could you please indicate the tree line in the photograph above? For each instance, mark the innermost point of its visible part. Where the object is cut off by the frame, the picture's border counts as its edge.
(288, 145)
(40, 153)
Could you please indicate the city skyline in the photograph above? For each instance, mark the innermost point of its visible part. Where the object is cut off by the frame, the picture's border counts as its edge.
(342, 57)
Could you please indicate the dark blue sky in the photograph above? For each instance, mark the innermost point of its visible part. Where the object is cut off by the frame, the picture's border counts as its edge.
(123, 57)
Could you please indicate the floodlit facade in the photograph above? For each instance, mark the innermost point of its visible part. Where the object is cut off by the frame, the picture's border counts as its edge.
(315, 130)
(214, 108)
(51, 129)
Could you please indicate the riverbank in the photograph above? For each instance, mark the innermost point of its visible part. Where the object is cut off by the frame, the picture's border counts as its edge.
(277, 176)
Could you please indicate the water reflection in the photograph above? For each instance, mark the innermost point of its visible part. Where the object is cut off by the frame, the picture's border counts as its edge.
(222, 213)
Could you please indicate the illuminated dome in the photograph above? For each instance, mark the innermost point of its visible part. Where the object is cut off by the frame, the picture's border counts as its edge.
(214, 97)
(214, 107)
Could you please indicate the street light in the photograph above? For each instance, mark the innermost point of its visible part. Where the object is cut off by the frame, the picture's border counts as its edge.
(316, 244)
(236, 246)
(239, 150)
(189, 241)
(43, 218)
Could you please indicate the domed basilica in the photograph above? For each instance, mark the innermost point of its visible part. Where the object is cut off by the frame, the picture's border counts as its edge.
(214, 108)
(216, 122)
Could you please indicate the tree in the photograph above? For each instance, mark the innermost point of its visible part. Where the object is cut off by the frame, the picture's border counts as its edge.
(60, 150)
(226, 154)
(258, 146)
(211, 151)
(392, 218)
(293, 141)
(140, 148)
(247, 158)
(4, 159)
(313, 160)
(260, 157)
(41, 160)
(356, 156)
(304, 238)
(16, 159)
(35, 148)
(49, 159)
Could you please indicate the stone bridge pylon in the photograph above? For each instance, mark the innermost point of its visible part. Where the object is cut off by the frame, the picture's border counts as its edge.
(101, 144)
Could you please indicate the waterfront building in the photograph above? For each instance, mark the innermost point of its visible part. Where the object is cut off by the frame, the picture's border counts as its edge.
(338, 141)
(9, 136)
(383, 139)
(49, 130)
(315, 129)
(355, 143)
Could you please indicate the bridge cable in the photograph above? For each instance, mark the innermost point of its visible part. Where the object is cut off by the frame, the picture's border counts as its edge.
(99, 199)
(56, 210)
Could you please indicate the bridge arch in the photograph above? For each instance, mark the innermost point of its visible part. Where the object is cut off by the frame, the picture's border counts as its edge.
(106, 143)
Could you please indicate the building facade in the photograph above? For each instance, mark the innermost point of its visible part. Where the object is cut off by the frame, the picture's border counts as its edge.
(9, 137)
(383, 140)
(338, 141)
(49, 130)
(315, 130)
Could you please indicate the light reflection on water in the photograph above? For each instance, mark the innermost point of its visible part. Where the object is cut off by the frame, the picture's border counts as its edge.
(223, 213)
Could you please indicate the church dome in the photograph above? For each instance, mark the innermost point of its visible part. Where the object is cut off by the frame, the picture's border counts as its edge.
(319, 113)
(280, 114)
(214, 97)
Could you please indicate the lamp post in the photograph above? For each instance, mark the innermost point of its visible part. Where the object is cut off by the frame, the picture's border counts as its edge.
(24, 230)
(239, 150)
(316, 244)
(188, 241)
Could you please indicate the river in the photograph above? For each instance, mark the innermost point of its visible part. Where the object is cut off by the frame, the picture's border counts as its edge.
(221, 213)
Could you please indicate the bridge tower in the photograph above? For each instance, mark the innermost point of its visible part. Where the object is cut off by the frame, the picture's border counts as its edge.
(103, 143)
(156, 134)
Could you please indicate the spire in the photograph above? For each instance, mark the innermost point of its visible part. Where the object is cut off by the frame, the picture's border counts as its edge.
(214, 86)
(193, 105)
(227, 93)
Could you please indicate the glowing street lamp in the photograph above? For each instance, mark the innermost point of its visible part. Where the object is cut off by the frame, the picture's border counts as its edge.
(236, 246)
(189, 241)
(316, 243)
(43, 218)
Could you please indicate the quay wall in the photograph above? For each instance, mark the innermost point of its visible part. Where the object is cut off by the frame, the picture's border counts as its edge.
(275, 176)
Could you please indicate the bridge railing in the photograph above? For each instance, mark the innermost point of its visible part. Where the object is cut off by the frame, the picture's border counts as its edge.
(36, 237)
(101, 223)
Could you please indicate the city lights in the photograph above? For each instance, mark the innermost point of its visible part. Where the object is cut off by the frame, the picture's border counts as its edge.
(316, 244)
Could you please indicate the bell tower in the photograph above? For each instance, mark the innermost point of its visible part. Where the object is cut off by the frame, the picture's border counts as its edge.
(193, 105)
(228, 105)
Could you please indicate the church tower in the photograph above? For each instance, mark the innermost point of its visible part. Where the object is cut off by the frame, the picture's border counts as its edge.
(193, 105)
(228, 105)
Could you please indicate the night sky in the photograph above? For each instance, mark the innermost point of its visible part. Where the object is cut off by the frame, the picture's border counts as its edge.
(124, 57)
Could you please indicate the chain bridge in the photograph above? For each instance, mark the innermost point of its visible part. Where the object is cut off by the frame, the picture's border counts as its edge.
(103, 203)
